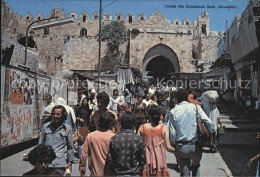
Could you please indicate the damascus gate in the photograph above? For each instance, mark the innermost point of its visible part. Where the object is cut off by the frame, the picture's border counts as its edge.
(157, 46)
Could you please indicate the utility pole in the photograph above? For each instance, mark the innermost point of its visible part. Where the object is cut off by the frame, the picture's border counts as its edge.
(99, 43)
(227, 35)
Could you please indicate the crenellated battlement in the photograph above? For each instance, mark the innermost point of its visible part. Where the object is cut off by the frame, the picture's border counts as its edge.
(156, 20)
(76, 43)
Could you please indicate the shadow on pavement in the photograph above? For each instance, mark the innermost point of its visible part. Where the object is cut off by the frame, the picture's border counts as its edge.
(206, 151)
(16, 148)
(173, 167)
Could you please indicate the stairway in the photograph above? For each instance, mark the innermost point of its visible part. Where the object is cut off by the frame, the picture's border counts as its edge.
(239, 143)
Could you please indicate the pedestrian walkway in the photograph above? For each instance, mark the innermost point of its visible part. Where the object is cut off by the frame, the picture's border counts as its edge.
(236, 146)
(212, 164)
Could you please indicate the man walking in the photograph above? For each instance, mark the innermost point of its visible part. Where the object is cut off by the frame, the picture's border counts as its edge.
(183, 133)
(58, 135)
(103, 100)
(127, 150)
(209, 102)
(97, 146)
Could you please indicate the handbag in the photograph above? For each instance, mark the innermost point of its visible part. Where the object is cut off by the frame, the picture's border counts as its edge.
(221, 131)
(205, 137)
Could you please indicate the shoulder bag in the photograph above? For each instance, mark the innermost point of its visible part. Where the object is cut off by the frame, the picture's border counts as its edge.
(205, 137)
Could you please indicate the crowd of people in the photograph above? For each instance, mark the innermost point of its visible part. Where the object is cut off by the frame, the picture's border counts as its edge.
(239, 101)
(122, 137)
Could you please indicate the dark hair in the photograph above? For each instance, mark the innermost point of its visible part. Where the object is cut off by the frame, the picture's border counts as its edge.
(63, 112)
(181, 95)
(105, 120)
(152, 97)
(41, 153)
(160, 97)
(103, 96)
(155, 114)
(82, 106)
(128, 120)
(140, 95)
(115, 90)
(195, 96)
(48, 96)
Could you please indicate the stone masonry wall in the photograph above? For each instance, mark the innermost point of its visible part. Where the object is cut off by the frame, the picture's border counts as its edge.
(81, 53)
(18, 54)
(180, 44)
(64, 48)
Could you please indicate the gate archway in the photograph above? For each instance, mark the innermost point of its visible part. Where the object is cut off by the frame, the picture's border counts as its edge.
(161, 62)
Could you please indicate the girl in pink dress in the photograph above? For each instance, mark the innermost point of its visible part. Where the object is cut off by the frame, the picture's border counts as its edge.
(156, 139)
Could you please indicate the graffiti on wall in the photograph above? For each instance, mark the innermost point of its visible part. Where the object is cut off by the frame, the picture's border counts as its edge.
(20, 108)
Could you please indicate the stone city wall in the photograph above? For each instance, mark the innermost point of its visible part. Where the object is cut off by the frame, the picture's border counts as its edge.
(65, 47)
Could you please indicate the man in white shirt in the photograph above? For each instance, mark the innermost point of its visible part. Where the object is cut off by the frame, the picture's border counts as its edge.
(183, 133)
(209, 102)
(114, 100)
(151, 90)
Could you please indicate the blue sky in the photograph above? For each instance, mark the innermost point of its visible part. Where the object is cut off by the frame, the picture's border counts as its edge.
(218, 16)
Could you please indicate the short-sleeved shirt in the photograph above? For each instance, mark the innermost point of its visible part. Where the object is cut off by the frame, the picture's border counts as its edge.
(127, 153)
(96, 146)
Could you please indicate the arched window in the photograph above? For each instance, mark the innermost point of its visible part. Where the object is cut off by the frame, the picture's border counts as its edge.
(30, 43)
(31, 33)
(118, 17)
(83, 32)
(46, 31)
(84, 18)
(130, 19)
(203, 29)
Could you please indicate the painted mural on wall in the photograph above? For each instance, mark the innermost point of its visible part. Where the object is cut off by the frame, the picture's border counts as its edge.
(19, 106)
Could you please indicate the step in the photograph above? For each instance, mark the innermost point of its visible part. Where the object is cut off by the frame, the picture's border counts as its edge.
(239, 138)
(242, 127)
(237, 145)
(232, 116)
(238, 121)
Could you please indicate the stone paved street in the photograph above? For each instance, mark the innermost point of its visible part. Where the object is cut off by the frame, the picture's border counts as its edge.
(236, 146)
(211, 165)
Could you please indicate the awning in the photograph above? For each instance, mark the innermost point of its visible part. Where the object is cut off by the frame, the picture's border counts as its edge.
(220, 62)
(125, 76)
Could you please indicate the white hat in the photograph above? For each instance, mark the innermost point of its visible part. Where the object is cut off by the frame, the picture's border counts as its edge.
(93, 91)
(174, 89)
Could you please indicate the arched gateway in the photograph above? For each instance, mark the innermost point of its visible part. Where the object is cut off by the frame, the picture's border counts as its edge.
(161, 62)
